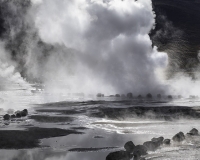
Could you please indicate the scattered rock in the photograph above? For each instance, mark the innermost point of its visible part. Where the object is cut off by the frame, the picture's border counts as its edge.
(100, 95)
(18, 115)
(158, 140)
(179, 137)
(179, 96)
(194, 132)
(159, 96)
(139, 150)
(130, 95)
(24, 113)
(166, 141)
(129, 146)
(169, 97)
(151, 146)
(139, 96)
(117, 95)
(13, 116)
(6, 117)
(119, 155)
(149, 96)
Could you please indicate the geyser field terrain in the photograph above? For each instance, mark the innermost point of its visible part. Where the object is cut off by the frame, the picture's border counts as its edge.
(99, 80)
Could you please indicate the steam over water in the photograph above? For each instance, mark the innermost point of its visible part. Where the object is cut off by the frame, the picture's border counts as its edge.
(85, 46)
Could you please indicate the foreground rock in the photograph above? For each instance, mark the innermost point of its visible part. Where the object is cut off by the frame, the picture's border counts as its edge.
(6, 117)
(154, 144)
(119, 155)
(139, 150)
(167, 141)
(179, 137)
(194, 132)
(129, 146)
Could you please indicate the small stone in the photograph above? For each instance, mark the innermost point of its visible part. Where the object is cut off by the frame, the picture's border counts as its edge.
(139, 150)
(169, 97)
(18, 115)
(130, 95)
(6, 117)
(149, 96)
(139, 96)
(117, 95)
(13, 116)
(158, 140)
(166, 141)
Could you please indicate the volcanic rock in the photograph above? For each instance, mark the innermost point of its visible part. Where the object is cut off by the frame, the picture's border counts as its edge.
(149, 96)
(6, 117)
(119, 155)
(129, 146)
(178, 137)
(139, 96)
(130, 95)
(166, 141)
(194, 132)
(159, 96)
(158, 140)
(139, 150)
(151, 146)
(18, 115)
(13, 116)
(117, 95)
(169, 97)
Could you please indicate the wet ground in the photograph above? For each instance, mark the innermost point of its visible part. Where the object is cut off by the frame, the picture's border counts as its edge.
(90, 129)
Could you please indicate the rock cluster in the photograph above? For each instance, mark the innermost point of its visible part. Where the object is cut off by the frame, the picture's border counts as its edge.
(18, 114)
(140, 150)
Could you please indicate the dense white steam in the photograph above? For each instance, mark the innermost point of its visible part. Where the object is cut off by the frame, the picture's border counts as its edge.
(108, 46)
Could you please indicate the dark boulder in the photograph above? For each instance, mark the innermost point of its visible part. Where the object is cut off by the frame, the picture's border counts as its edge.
(194, 132)
(18, 115)
(100, 95)
(159, 96)
(13, 116)
(130, 95)
(158, 140)
(139, 150)
(6, 117)
(169, 97)
(151, 146)
(117, 95)
(23, 113)
(139, 96)
(119, 155)
(166, 141)
(26, 111)
(129, 146)
(149, 96)
(178, 137)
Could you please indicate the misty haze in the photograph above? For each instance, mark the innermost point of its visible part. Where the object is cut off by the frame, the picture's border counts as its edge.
(99, 80)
